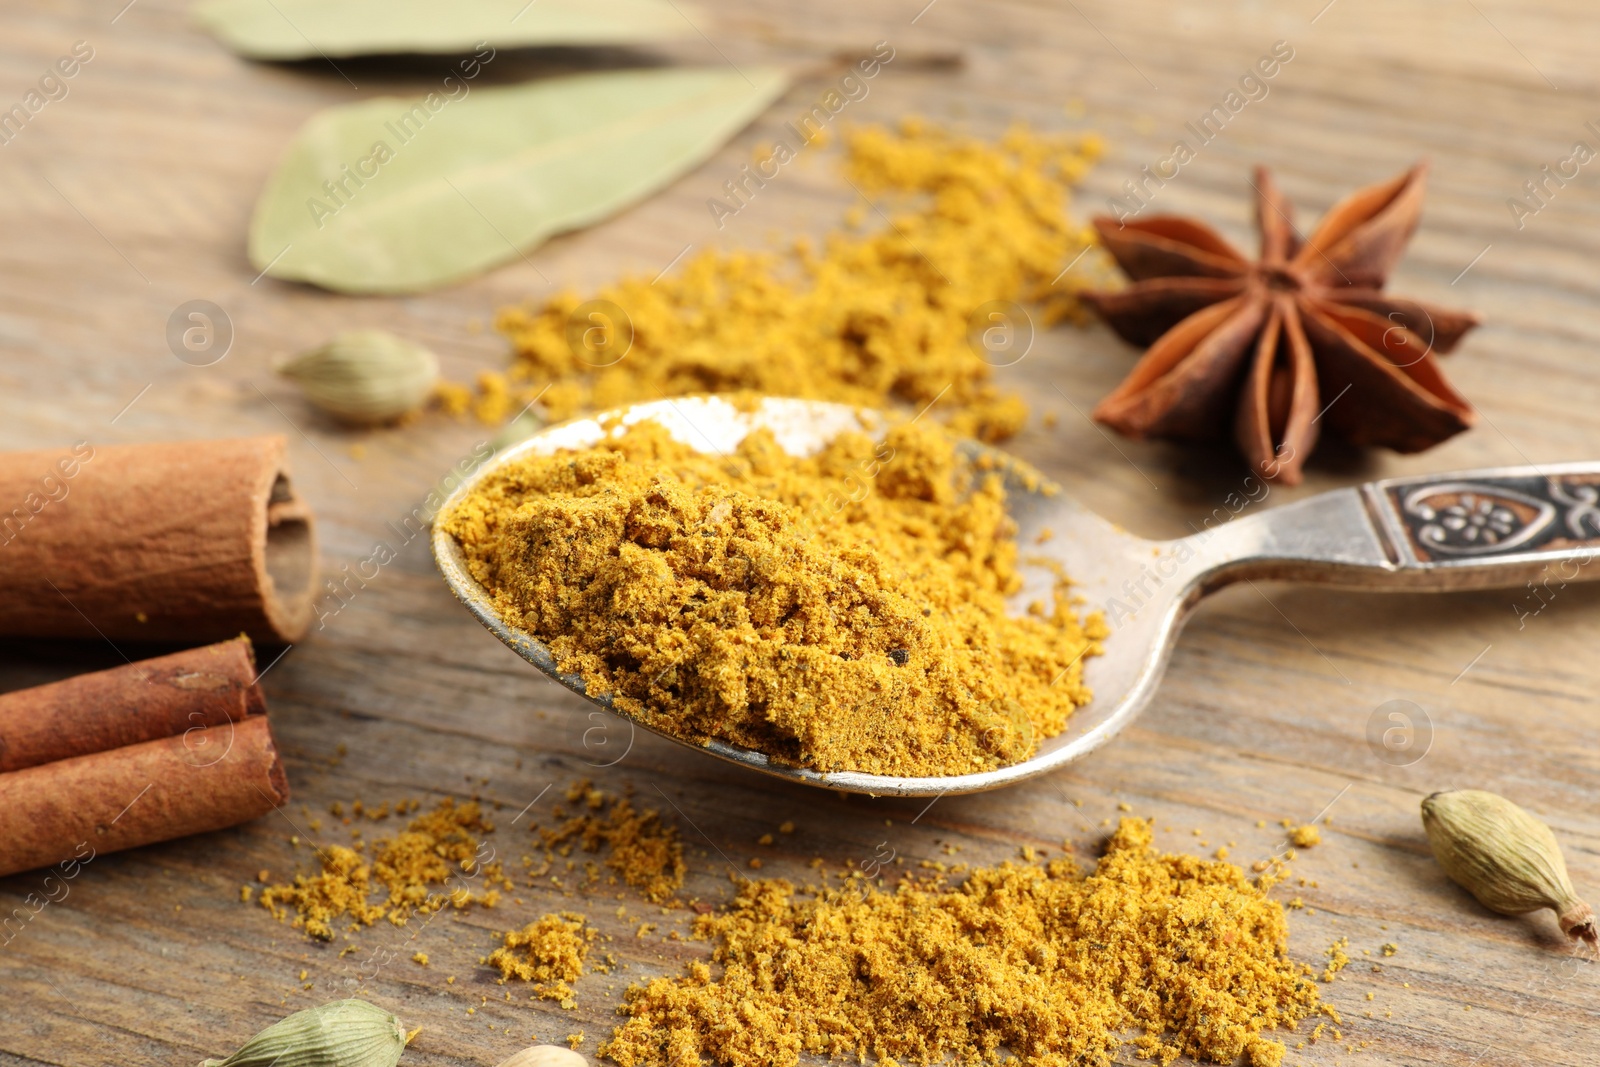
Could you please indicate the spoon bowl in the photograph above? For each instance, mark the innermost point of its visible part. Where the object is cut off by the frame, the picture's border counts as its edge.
(1473, 530)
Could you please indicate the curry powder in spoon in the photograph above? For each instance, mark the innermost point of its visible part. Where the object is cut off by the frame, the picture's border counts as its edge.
(844, 611)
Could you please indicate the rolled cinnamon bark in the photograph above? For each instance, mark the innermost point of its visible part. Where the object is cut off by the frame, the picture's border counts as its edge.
(154, 698)
(188, 541)
(86, 806)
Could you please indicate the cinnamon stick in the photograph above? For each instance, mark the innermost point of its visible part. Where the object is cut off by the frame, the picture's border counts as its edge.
(154, 698)
(138, 794)
(187, 541)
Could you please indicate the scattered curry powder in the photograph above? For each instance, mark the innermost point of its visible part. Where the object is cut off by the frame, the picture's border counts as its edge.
(878, 318)
(645, 850)
(844, 611)
(548, 953)
(1338, 959)
(1305, 836)
(433, 848)
(1171, 954)
(341, 890)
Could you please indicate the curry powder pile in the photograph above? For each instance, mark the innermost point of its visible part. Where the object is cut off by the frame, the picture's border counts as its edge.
(549, 953)
(844, 611)
(404, 871)
(877, 315)
(1171, 954)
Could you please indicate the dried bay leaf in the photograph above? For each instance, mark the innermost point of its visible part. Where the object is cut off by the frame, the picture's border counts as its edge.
(308, 29)
(395, 196)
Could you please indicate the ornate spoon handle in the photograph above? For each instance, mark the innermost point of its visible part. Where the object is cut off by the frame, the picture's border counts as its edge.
(1490, 528)
(1547, 514)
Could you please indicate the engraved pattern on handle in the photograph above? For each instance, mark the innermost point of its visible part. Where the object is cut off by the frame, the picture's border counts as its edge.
(1484, 515)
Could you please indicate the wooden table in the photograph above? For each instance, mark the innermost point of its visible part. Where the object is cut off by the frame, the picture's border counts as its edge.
(131, 196)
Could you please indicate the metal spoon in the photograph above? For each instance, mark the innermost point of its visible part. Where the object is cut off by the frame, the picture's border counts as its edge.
(1467, 530)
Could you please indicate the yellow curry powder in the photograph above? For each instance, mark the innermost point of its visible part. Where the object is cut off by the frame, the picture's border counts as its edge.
(549, 953)
(434, 848)
(876, 317)
(447, 845)
(844, 611)
(1171, 954)
(645, 850)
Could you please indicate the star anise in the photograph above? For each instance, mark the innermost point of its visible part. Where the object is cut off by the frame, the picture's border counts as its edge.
(1301, 338)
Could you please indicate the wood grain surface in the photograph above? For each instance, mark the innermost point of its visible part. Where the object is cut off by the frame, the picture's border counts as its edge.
(131, 196)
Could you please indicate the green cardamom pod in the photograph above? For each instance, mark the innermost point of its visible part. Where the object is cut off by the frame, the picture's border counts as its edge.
(365, 377)
(1505, 857)
(345, 1033)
